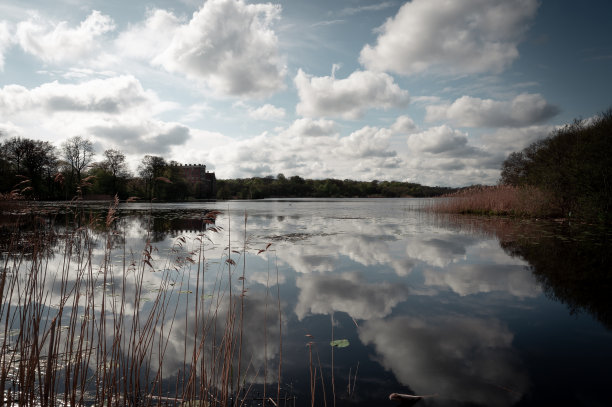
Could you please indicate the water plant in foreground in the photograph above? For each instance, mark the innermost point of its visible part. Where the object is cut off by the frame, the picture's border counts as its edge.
(97, 324)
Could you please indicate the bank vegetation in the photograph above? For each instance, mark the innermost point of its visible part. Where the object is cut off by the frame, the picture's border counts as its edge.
(565, 175)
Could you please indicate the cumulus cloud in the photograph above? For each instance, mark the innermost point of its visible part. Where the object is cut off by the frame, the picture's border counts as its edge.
(524, 110)
(145, 40)
(58, 43)
(114, 112)
(457, 357)
(466, 37)
(348, 98)
(228, 44)
(439, 140)
(309, 148)
(367, 142)
(506, 140)
(347, 292)
(141, 136)
(307, 127)
(112, 96)
(267, 112)
(403, 125)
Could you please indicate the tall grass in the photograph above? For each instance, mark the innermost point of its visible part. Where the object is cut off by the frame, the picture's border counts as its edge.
(502, 200)
(96, 324)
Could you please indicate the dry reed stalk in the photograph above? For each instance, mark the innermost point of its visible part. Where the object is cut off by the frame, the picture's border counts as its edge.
(502, 200)
(77, 343)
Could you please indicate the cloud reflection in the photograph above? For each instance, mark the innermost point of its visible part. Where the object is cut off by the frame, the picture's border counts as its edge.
(347, 292)
(466, 359)
(469, 279)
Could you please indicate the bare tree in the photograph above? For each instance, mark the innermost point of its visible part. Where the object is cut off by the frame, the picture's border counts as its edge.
(78, 153)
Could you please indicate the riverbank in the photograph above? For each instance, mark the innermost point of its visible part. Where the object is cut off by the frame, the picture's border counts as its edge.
(498, 200)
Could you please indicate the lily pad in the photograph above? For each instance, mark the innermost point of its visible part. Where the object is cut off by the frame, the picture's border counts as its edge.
(340, 343)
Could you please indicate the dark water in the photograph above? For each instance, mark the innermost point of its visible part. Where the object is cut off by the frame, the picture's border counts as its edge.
(469, 311)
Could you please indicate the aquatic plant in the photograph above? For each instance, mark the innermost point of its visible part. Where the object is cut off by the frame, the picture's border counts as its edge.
(97, 324)
(505, 200)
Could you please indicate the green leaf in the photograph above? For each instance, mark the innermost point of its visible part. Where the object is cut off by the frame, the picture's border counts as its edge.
(340, 343)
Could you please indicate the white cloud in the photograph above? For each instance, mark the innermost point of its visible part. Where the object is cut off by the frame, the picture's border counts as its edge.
(146, 39)
(58, 43)
(506, 140)
(403, 125)
(524, 110)
(349, 11)
(311, 149)
(350, 97)
(115, 112)
(307, 127)
(9, 129)
(267, 112)
(450, 37)
(230, 45)
(110, 96)
(438, 140)
(367, 142)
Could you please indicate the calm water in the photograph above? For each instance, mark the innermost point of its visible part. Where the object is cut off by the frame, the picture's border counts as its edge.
(482, 312)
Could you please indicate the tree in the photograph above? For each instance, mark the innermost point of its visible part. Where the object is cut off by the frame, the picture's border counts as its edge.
(35, 160)
(152, 170)
(78, 153)
(572, 165)
(114, 163)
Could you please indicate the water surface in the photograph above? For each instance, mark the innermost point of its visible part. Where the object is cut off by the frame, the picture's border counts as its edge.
(469, 311)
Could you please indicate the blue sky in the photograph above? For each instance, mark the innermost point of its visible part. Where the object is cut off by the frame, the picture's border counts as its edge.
(431, 91)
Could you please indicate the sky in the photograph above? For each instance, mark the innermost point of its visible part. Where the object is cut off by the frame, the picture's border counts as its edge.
(437, 92)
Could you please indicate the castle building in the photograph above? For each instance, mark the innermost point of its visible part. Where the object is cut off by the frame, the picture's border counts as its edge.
(203, 183)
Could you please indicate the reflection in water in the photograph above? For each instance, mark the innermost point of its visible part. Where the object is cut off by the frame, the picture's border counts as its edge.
(468, 279)
(455, 357)
(571, 263)
(347, 292)
(442, 305)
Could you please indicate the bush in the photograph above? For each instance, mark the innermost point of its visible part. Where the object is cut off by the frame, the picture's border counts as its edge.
(572, 166)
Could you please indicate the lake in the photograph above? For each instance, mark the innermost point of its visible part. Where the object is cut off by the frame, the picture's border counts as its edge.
(463, 310)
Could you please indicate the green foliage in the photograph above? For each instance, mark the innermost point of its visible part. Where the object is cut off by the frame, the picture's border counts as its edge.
(34, 161)
(340, 343)
(572, 164)
(297, 187)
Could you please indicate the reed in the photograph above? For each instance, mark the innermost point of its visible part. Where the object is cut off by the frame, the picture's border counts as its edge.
(501, 200)
(81, 328)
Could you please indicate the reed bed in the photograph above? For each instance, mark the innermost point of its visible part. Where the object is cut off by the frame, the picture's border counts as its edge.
(499, 200)
(86, 325)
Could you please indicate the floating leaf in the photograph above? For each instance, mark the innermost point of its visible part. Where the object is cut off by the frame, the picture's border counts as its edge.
(340, 343)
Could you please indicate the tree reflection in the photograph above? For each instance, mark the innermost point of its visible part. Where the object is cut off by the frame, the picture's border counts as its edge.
(570, 261)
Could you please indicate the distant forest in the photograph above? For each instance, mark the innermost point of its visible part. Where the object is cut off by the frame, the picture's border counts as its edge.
(34, 169)
(297, 187)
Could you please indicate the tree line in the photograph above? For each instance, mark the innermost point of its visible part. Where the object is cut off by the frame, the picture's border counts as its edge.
(572, 165)
(298, 187)
(35, 169)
